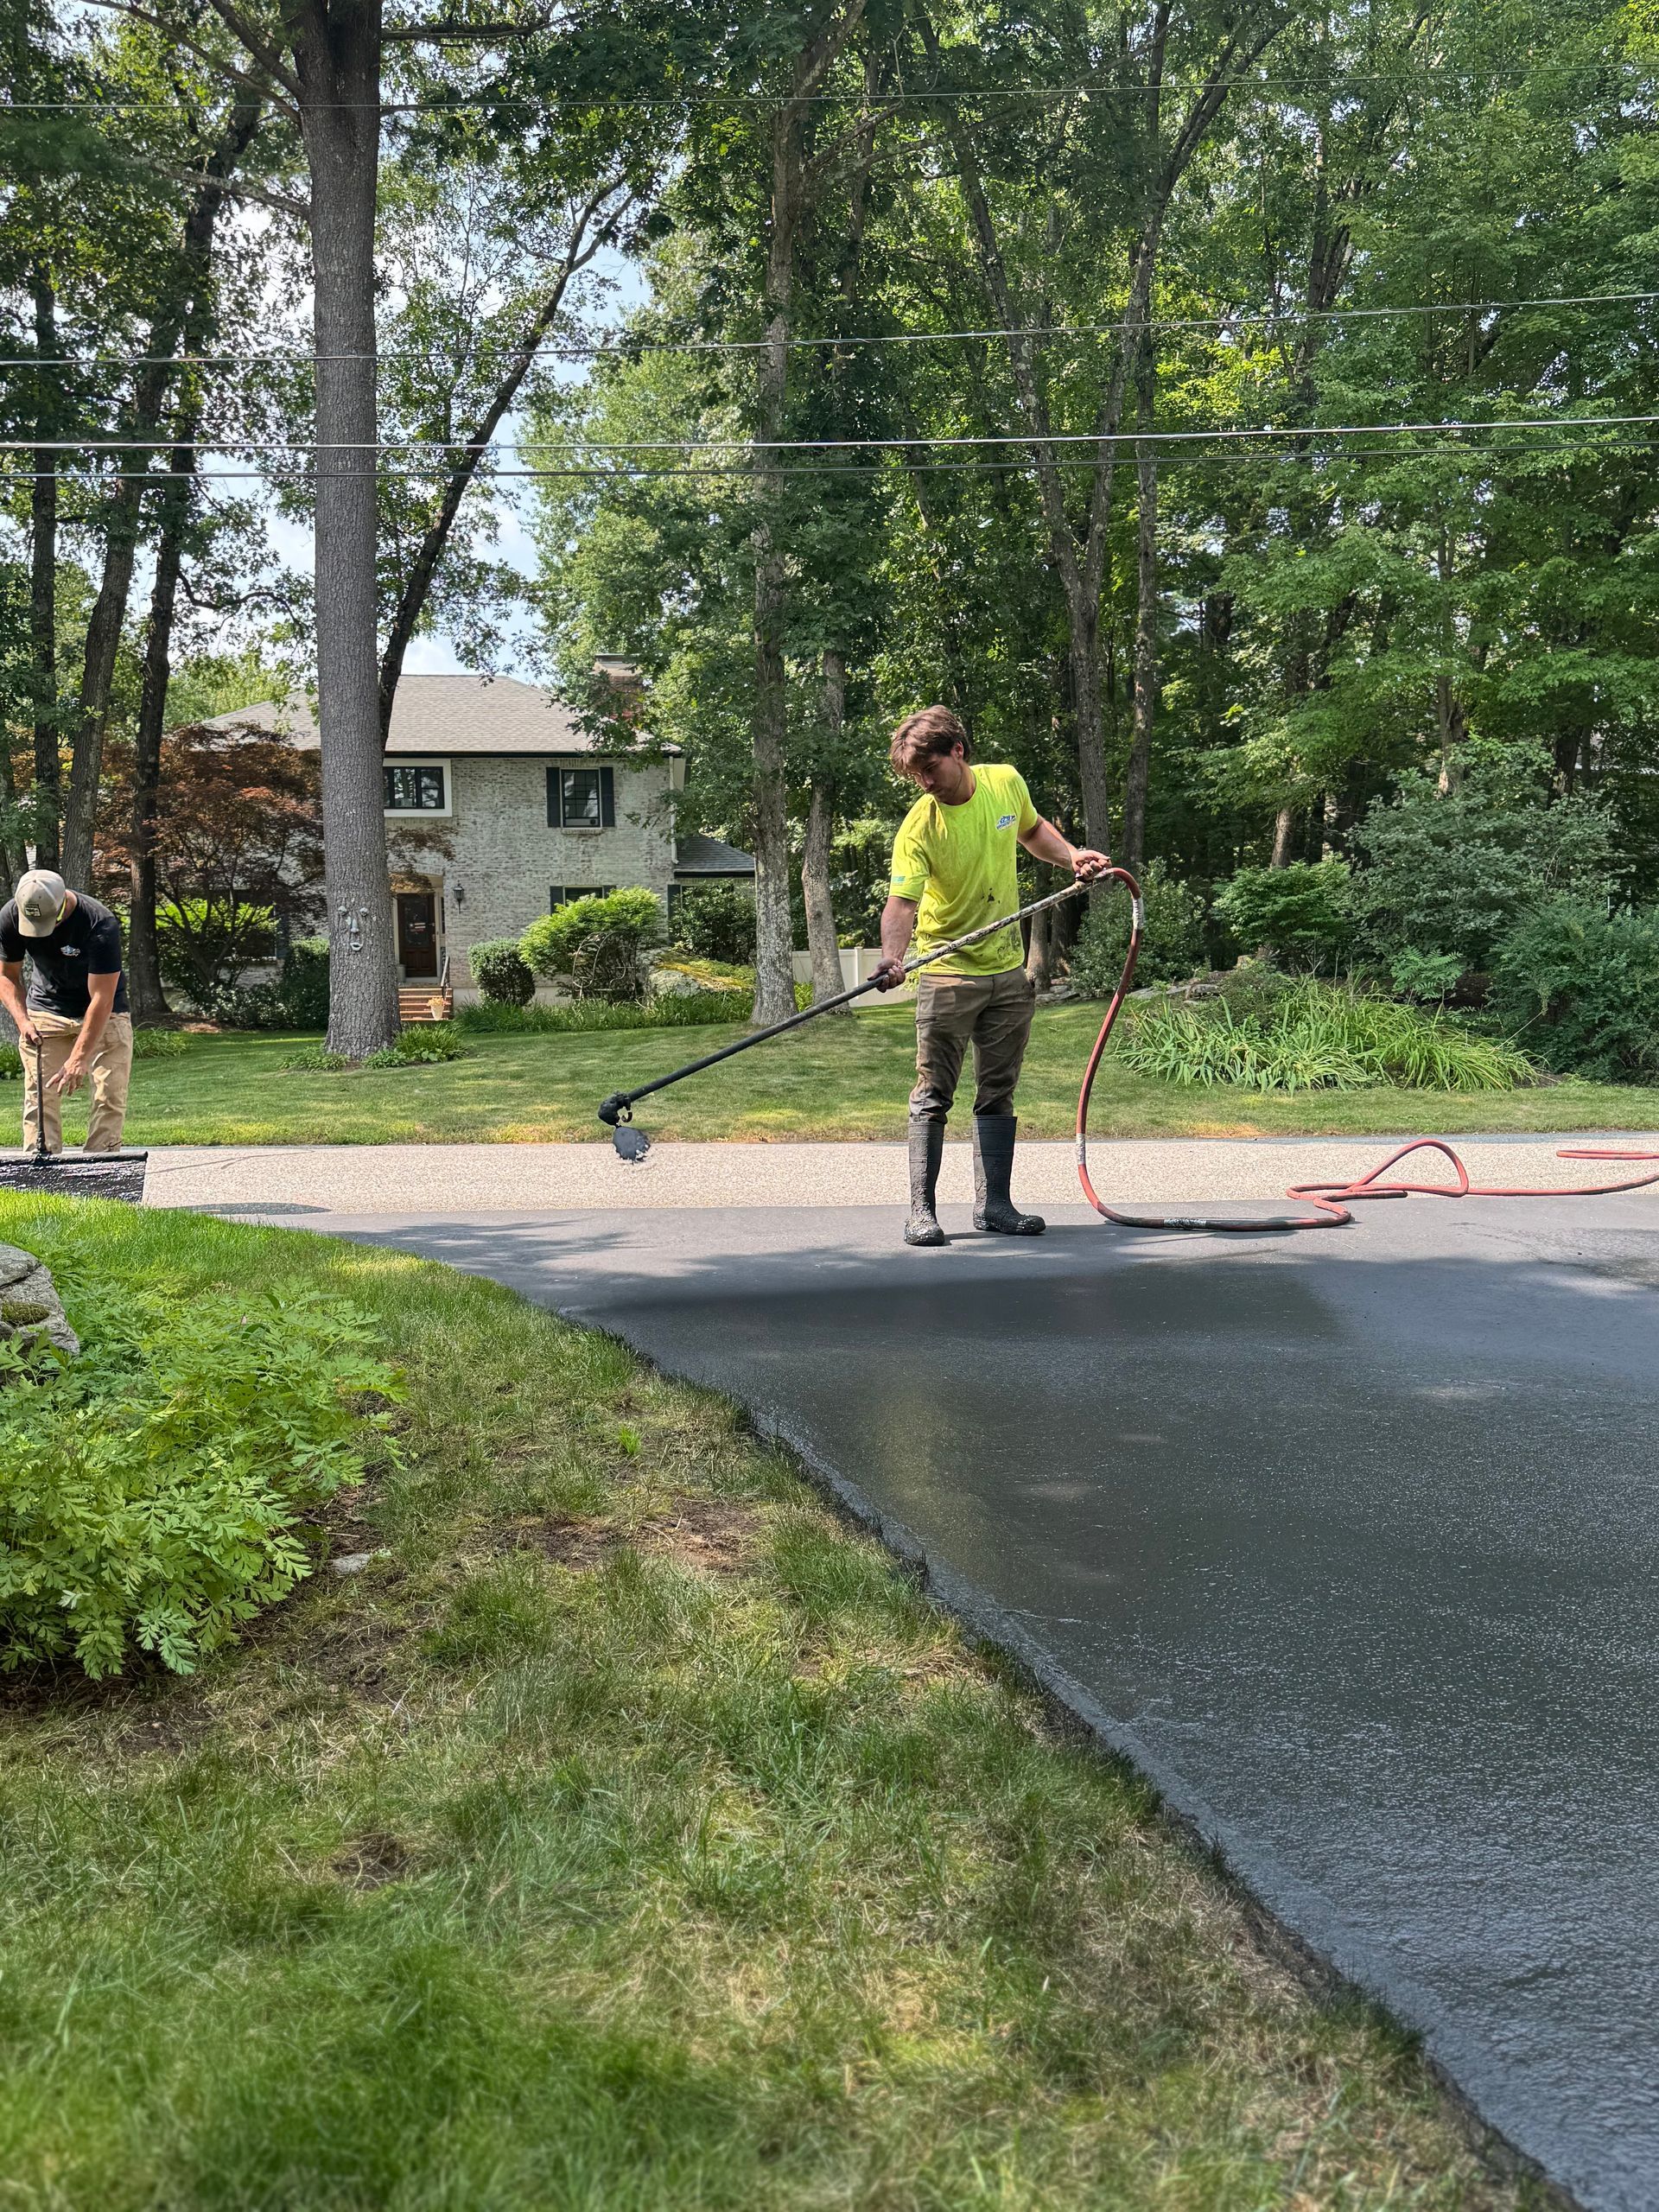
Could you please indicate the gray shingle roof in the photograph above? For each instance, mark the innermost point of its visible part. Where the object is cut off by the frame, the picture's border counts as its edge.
(445, 713)
(701, 855)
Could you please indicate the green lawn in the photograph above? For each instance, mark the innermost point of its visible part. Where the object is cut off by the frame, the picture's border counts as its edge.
(628, 1838)
(841, 1077)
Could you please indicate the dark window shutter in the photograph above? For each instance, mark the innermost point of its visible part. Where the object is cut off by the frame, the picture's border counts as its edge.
(555, 813)
(607, 799)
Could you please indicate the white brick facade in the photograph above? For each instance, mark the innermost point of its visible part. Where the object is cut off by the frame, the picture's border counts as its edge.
(506, 857)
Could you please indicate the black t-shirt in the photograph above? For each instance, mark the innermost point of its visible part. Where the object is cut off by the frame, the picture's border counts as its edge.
(86, 942)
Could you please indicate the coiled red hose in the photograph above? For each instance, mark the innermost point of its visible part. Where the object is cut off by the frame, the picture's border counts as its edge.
(1331, 1201)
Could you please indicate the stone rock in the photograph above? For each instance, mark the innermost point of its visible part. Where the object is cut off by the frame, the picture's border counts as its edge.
(30, 1309)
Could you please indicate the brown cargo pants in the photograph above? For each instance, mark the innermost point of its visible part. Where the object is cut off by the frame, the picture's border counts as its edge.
(995, 1012)
(109, 1078)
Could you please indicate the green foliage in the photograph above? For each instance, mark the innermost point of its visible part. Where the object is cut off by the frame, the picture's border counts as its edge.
(1583, 987)
(1451, 872)
(155, 1488)
(1172, 946)
(203, 945)
(1317, 1036)
(11, 1063)
(670, 1010)
(422, 1044)
(501, 972)
(716, 921)
(303, 991)
(1424, 974)
(597, 945)
(1300, 914)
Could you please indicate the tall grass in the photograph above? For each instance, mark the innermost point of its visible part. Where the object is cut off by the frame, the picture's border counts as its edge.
(1317, 1036)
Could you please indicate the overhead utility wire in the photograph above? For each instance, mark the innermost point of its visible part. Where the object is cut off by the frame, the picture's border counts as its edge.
(698, 471)
(627, 348)
(1325, 86)
(747, 445)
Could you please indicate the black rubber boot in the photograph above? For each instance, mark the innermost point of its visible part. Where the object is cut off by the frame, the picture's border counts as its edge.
(992, 1172)
(926, 1150)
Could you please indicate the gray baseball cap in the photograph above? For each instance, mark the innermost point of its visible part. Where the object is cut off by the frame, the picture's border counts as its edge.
(40, 895)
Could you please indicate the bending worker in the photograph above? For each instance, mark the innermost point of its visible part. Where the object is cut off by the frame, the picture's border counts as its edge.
(76, 1024)
(955, 867)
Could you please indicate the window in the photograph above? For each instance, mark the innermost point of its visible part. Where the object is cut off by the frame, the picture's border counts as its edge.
(415, 787)
(581, 799)
(561, 895)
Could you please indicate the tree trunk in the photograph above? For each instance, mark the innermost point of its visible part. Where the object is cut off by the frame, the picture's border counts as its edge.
(820, 831)
(1137, 781)
(43, 593)
(337, 52)
(122, 509)
(774, 971)
(143, 954)
(1284, 837)
(1040, 953)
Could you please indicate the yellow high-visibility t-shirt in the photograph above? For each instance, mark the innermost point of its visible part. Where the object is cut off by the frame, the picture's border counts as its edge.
(960, 864)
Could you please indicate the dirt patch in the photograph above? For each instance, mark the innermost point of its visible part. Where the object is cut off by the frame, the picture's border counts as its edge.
(579, 1545)
(703, 1533)
(369, 1862)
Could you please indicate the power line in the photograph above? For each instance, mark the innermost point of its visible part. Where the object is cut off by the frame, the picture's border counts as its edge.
(1325, 87)
(1010, 464)
(747, 447)
(627, 347)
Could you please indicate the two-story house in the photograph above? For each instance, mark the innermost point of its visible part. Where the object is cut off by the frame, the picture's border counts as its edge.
(499, 805)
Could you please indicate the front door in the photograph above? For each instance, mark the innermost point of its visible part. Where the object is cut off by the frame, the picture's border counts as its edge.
(418, 936)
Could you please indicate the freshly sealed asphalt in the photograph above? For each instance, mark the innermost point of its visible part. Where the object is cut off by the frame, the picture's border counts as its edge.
(1348, 1540)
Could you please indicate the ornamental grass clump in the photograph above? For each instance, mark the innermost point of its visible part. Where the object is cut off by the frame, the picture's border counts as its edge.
(153, 1492)
(1317, 1036)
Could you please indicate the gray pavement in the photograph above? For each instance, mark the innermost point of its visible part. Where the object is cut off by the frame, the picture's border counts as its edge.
(464, 1178)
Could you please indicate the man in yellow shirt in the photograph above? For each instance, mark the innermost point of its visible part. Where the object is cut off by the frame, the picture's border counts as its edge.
(955, 864)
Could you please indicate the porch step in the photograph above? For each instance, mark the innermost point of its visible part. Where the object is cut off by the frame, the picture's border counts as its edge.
(424, 1002)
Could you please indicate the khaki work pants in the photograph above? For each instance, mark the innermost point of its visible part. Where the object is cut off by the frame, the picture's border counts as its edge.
(994, 1014)
(110, 1078)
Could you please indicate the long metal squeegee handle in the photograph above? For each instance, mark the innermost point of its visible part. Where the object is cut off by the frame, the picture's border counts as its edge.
(619, 1105)
(1330, 1214)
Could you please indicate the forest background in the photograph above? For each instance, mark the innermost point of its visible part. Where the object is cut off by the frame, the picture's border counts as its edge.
(1241, 414)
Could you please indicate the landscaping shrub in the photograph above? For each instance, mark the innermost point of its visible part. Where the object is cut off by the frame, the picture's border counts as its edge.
(303, 991)
(1317, 1036)
(716, 921)
(11, 1063)
(423, 1043)
(203, 945)
(261, 1006)
(1300, 914)
(598, 946)
(1583, 985)
(501, 973)
(1172, 949)
(1424, 974)
(673, 1010)
(155, 1487)
(1451, 872)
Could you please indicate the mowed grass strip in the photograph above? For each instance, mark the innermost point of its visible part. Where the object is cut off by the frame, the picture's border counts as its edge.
(629, 1835)
(841, 1078)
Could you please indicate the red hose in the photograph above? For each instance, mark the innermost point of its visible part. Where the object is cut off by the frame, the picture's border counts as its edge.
(1330, 1200)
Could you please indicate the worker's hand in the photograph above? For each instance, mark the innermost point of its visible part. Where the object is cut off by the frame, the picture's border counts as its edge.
(69, 1077)
(1087, 864)
(888, 975)
(30, 1035)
